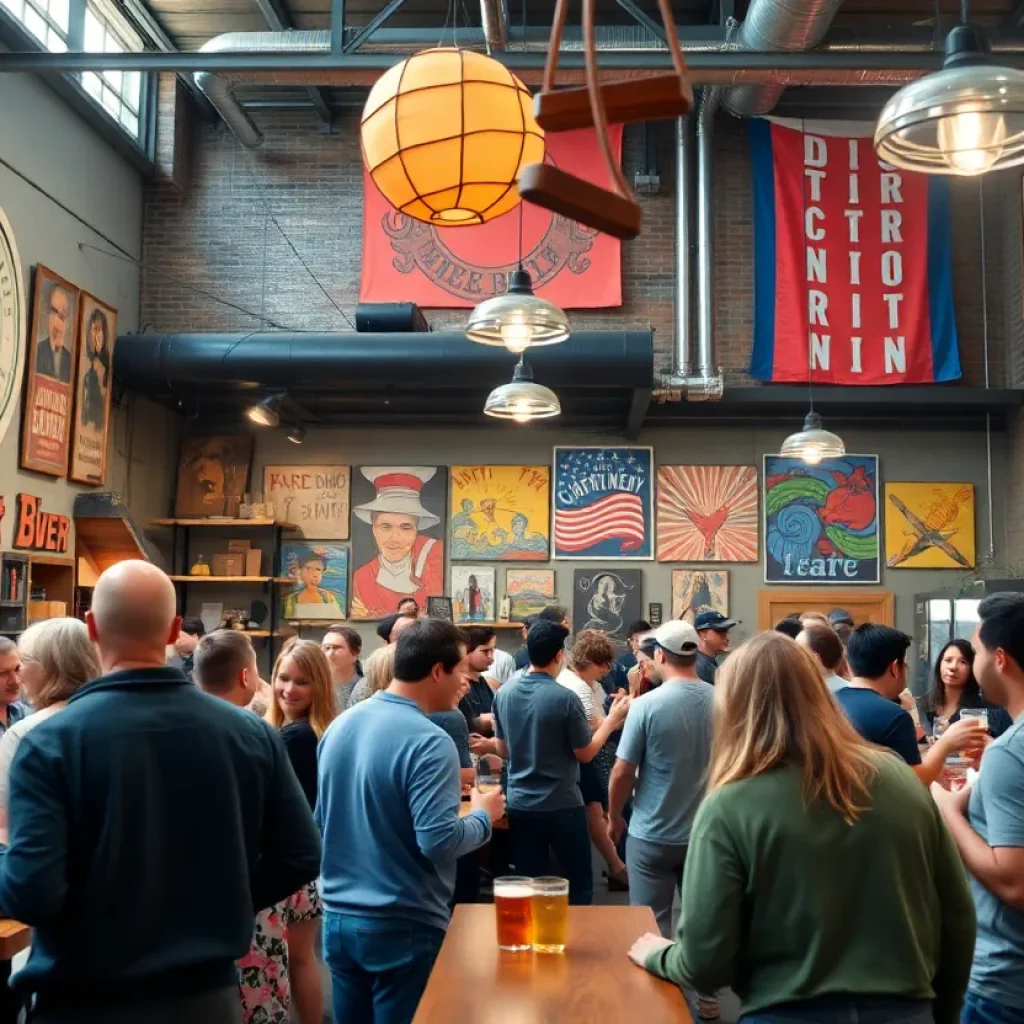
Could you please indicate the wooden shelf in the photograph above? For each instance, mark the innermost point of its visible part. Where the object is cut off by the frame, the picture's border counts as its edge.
(226, 523)
(232, 579)
(493, 625)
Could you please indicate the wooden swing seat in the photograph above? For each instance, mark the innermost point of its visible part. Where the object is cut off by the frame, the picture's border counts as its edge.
(560, 192)
(655, 98)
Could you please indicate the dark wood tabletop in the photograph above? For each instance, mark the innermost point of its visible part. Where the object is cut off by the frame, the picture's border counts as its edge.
(474, 982)
(14, 937)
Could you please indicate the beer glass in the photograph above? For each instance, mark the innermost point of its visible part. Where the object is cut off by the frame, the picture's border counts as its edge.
(486, 782)
(550, 914)
(513, 910)
(981, 714)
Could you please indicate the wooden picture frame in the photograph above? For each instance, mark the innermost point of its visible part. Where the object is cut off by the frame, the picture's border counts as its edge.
(97, 333)
(46, 418)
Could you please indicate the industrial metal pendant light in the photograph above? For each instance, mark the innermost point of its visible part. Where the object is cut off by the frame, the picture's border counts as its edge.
(518, 318)
(522, 400)
(814, 443)
(266, 413)
(966, 119)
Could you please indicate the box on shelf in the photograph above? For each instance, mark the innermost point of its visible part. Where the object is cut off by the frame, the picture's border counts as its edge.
(253, 561)
(38, 610)
(229, 565)
(238, 547)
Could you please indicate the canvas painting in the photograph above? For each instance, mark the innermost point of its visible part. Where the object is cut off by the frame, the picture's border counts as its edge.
(97, 332)
(699, 590)
(320, 572)
(213, 474)
(46, 414)
(472, 593)
(929, 526)
(603, 503)
(707, 514)
(398, 528)
(821, 522)
(607, 599)
(314, 498)
(500, 513)
(530, 591)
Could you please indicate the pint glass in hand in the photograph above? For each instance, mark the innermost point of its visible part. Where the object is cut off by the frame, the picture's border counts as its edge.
(513, 909)
(550, 914)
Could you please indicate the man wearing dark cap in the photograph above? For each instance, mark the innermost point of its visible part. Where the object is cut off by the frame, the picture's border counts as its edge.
(390, 628)
(542, 732)
(713, 637)
(842, 622)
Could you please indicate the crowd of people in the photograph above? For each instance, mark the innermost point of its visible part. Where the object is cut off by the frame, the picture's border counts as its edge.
(184, 838)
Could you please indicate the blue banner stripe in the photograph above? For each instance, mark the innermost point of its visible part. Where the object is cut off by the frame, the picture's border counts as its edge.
(945, 349)
(762, 355)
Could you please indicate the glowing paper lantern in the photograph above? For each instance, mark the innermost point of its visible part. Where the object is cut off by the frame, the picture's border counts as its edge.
(445, 135)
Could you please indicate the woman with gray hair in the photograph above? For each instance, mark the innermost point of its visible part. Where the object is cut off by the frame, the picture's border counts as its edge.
(57, 657)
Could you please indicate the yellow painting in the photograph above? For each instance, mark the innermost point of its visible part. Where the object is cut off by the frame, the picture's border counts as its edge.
(929, 526)
(500, 513)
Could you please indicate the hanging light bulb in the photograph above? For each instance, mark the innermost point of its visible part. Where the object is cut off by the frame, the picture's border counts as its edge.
(814, 443)
(518, 318)
(966, 119)
(266, 413)
(523, 400)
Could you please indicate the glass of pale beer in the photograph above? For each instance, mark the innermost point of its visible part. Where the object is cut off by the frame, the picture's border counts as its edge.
(513, 909)
(550, 914)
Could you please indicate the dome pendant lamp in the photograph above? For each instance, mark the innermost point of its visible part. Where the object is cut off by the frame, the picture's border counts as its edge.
(966, 119)
(522, 401)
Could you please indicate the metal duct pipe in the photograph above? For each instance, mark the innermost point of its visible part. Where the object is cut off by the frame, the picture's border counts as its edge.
(709, 102)
(494, 16)
(684, 247)
(777, 25)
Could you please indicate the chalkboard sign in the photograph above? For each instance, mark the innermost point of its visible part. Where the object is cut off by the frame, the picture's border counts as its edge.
(440, 608)
(654, 615)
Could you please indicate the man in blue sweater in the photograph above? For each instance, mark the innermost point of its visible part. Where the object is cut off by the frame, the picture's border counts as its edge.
(388, 806)
(149, 823)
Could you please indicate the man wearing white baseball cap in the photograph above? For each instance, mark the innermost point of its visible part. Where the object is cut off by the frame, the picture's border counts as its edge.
(663, 759)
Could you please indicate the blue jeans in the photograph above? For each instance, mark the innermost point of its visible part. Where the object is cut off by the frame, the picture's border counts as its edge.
(534, 834)
(846, 1009)
(984, 1011)
(379, 967)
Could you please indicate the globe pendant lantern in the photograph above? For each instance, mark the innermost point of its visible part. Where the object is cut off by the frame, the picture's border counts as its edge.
(445, 135)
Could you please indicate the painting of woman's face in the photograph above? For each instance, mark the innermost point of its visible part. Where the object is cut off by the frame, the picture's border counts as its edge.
(97, 335)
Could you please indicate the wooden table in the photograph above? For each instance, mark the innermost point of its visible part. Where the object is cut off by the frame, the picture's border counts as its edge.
(14, 937)
(474, 982)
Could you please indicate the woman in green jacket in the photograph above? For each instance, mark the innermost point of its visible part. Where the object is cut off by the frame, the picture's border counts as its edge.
(820, 884)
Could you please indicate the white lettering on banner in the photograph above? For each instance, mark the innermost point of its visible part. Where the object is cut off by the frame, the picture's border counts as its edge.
(854, 190)
(817, 307)
(891, 221)
(896, 354)
(816, 266)
(851, 145)
(892, 268)
(817, 177)
(820, 350)
(893, 300)
(855, 310)
(855, 366)
(813, 233)
(891, 188)
(854, 216)
(854, 267)
(815, 151)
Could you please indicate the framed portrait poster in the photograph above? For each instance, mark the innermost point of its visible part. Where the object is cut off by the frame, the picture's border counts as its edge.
(320, 572)
(46, 417)
(97, 332)
(212, 475)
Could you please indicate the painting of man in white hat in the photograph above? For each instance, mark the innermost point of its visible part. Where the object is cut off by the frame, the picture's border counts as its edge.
(405, 561)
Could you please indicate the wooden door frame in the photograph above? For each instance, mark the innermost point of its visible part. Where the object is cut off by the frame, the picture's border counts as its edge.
(824, 600)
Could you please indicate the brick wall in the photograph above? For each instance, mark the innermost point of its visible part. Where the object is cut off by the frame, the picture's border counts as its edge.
(217, 236)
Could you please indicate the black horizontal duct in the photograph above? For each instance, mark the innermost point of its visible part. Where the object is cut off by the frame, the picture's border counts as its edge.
(163, 365)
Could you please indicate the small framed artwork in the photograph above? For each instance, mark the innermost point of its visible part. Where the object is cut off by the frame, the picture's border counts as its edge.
(212, 476)
(699, 590)
(929, 526)
(97, 332)
(654, 615)
(530, 591)
(473, 593)
(607, 600)
(440, 608)
(320, 572)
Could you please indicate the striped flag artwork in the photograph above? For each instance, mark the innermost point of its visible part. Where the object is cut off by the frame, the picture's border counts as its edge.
(603, 503)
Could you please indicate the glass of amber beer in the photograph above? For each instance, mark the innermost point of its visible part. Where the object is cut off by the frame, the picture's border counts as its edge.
(550, 914)
(513, 909)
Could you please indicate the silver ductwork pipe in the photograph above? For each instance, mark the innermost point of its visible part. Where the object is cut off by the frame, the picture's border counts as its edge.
(777, 25)
(710, 375)
(684, 248)
(494, 17)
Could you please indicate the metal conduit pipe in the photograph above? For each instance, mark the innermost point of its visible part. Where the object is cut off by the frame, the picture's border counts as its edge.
(684, 247)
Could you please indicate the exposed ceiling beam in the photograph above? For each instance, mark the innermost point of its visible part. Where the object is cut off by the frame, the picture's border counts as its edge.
(337, 25)
(371, 26)
(643, 18)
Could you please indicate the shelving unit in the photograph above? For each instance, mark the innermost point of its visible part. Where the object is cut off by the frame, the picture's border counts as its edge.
(14, 591)
(55, 578)
(181, 561)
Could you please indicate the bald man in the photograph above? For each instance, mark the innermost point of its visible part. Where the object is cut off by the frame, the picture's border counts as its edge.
(149, 822)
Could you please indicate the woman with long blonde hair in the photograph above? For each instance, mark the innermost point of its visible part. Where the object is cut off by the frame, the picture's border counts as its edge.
(302, 707)
(820, 882)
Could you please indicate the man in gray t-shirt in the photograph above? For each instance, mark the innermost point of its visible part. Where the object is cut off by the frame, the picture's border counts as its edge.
(987, 821)
(662, 759)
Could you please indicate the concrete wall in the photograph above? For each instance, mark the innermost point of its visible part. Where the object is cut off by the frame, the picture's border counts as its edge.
(67, 165)
(906, 455)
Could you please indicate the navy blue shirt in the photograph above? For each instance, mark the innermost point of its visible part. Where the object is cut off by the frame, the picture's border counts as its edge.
(454, 723)
(478, 701)
(149, 822)
(542, 723)
(880, 721)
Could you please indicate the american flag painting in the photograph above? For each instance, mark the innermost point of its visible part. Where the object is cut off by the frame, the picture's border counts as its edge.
(602, 502)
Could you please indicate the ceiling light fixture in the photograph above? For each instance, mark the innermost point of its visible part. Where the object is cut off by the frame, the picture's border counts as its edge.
(266, 413)
(965, 120)
(522, 401)
(814, 443)
(297, 434)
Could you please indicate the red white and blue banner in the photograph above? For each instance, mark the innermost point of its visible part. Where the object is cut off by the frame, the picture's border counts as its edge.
(851, 261)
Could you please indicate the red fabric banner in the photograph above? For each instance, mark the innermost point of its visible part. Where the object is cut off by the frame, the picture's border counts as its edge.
(405, 260)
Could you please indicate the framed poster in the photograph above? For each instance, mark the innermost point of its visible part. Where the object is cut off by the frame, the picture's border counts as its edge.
(707, 514)
(13, 317)
(439, 608)
(821, 522)
(46, 418)
(607, 599)
(500, 513)
(473, 593)
(398, 533)
(530, 590)
(320, 572)
(97, 332)
(929, 526)
(603, 501)
(314, 498)
(212, 475)
(699, 590)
